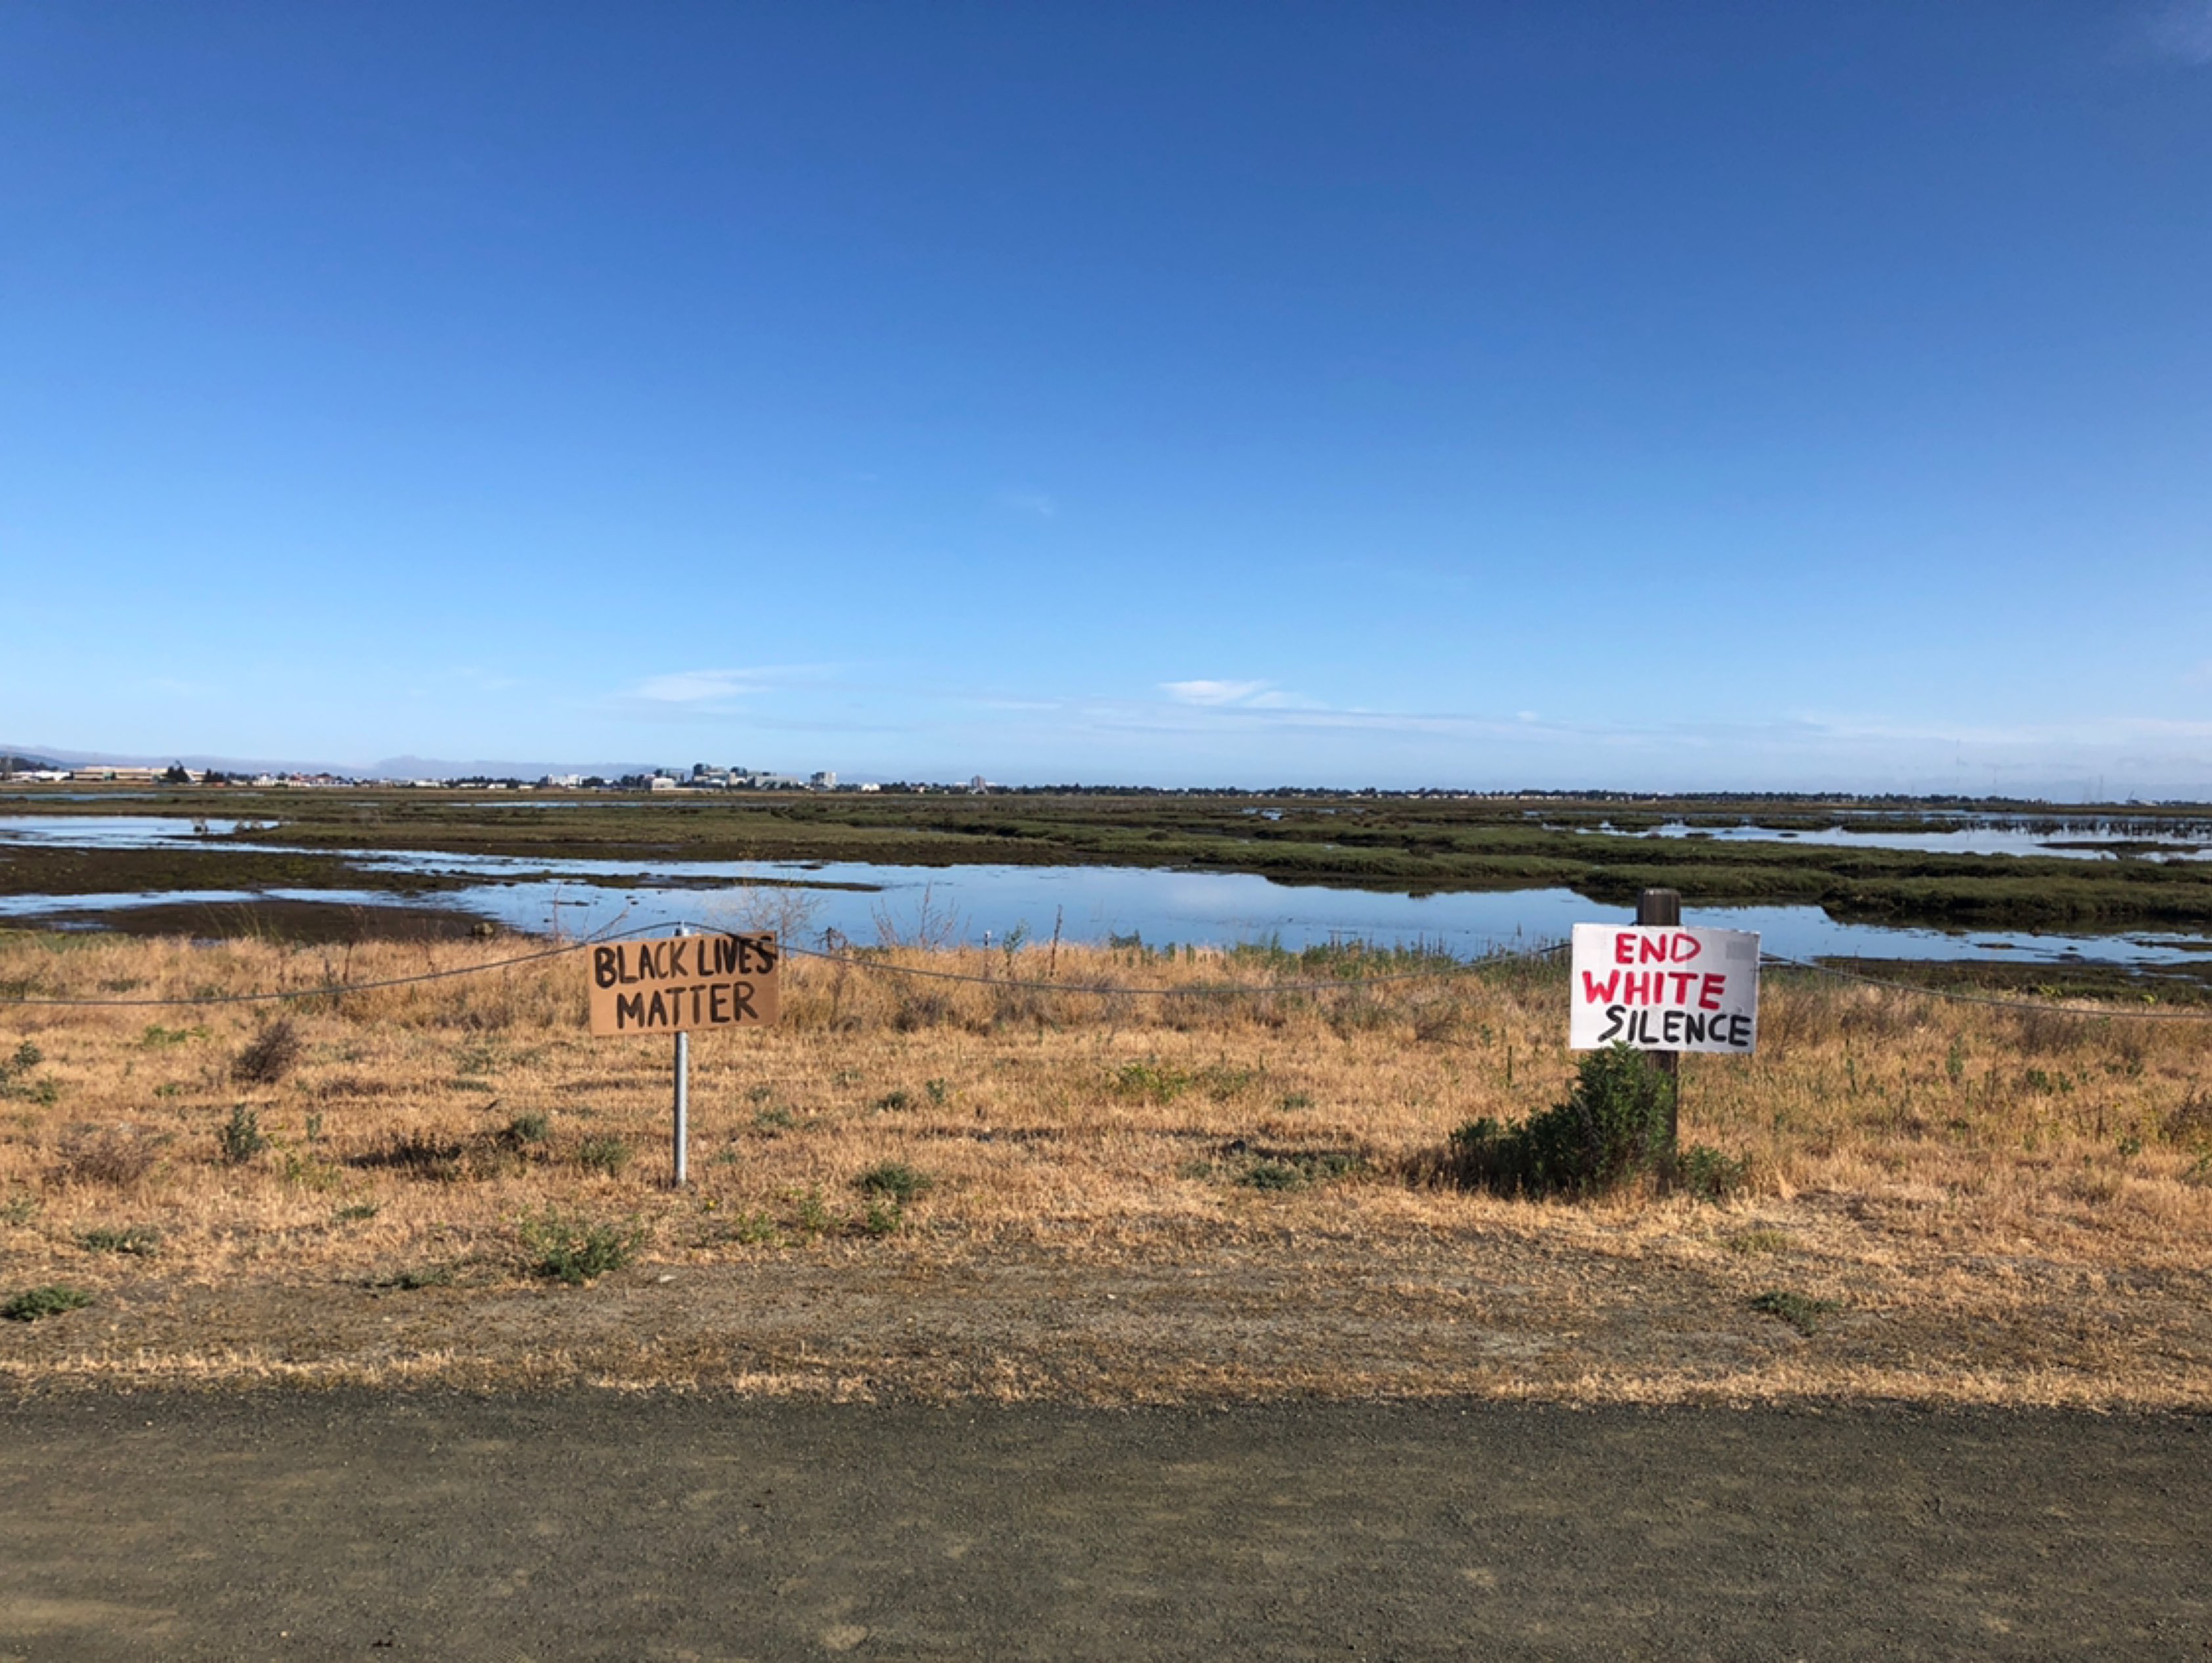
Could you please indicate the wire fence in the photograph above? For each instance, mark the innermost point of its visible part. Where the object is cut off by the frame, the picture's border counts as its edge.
(877, 963)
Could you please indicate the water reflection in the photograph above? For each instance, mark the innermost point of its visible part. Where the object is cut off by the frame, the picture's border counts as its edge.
(866, 902)
(2102, 839)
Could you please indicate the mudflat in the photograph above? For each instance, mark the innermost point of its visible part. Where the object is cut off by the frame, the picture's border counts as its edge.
(580, 1524)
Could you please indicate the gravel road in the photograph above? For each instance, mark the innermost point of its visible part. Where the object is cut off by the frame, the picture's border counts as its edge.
(602, 1525)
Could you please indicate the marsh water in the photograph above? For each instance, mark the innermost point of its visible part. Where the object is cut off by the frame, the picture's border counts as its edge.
(2100, 837)
(987, 904)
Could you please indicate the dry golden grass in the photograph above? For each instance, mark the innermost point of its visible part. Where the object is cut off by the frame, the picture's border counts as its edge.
(1130, 1197)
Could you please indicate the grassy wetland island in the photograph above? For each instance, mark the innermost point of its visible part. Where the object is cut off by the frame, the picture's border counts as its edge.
(1092, 1170)
(306, 839)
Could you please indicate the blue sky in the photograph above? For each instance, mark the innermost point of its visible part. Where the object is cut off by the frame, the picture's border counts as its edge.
(1683, 397)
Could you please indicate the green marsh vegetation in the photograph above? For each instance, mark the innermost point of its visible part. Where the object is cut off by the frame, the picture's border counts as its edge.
(1419, 844)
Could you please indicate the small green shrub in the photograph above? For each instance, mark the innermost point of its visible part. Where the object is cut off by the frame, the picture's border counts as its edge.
(1150, 1081)
(607, 1154)
(360, 1212)
(1612, 1129)
(1708, 1174)
(895, 1180)
(19, 1209)
(310, 1171)
(1747, 1242)
(26, 1057)
(240, 1137)
(811, 1213)
(1290, 1169)
(894, 1102)
(1801, 1311)
(1223, 1080)
(35, 1303)
(1297, 1099)
(883, 1218)
(577, 1250)
(525, 1130)
(754, 1229)
(140, 1241)
(156, 1036)
(413, 1278)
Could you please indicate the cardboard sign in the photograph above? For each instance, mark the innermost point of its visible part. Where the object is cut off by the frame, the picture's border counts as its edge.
(681, 982)
(1665, 987)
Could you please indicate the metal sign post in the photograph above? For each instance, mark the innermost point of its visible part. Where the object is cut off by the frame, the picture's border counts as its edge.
(682, 1105)
(680, 1163)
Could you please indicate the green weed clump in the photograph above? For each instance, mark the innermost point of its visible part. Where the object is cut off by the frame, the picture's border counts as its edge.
(412, 1279)
(240, 1137)
(1800, 1311)
(15, 1070)
(51, 1300)
(607, 1154)
(895, 1181)
(1292, 1169)
(139, 1241)
(1707, 1172)
(883, 1218)
(577, 1250)
(1150, 1082)
(1610, 1130)
(525, 1130)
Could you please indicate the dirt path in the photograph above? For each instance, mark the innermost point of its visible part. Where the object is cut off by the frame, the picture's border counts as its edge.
(583, 1525)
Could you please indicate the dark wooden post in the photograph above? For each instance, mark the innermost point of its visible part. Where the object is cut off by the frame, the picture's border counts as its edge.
(1663, 909)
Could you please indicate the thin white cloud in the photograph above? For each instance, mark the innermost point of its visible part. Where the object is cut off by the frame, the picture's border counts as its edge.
(2183, 32)
(1237, 696)
(1213, 692)
(1038, 505)
(689, 687)
(696, 689)
(2198, 674)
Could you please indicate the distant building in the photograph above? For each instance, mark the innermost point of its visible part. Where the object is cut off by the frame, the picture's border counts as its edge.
(979, 784)
(823, 781)
(661, 782)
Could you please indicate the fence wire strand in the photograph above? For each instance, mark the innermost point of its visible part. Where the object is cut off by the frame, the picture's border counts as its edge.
(1990, 1001)
(1140, 989)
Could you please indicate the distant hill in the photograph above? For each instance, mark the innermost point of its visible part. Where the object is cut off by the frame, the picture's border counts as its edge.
(15, 762)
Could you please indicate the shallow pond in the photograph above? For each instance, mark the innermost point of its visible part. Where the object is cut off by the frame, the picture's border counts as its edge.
(867, 903)
(2087, 838)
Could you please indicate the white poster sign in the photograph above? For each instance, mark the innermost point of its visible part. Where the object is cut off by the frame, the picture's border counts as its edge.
(1665, 987)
